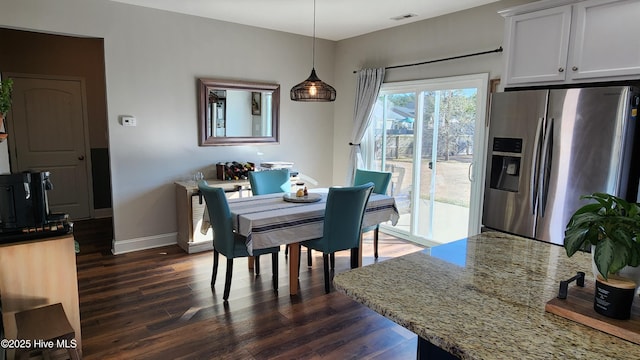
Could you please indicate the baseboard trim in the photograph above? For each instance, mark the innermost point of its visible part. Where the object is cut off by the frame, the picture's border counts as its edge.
(196, 247)
(143, 243)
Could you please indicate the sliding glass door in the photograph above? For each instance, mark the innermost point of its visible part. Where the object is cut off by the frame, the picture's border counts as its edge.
(430, 135)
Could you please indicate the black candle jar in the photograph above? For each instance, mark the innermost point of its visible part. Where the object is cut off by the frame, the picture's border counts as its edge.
(614, 296)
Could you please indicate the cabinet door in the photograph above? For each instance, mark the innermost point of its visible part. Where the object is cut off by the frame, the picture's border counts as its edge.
(537, 45)
(605, 42)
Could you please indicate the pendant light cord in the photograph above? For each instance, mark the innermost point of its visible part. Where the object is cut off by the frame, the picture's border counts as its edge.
(313, 89)
(313, 51)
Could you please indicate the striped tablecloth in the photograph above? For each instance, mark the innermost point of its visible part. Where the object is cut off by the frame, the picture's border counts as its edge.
(268, 220)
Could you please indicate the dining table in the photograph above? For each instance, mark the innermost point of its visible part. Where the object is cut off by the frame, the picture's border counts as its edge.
(284, 219)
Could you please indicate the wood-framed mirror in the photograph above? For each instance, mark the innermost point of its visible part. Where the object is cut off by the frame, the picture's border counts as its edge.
(238, 112)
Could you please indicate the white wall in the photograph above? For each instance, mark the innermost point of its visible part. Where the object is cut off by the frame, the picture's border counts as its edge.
(152, 61)
(468, 31)
(239, 109)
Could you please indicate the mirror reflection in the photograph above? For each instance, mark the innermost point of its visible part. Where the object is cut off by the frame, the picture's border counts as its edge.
(233, 112)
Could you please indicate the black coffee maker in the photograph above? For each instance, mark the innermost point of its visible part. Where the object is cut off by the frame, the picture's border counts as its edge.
(24, 207)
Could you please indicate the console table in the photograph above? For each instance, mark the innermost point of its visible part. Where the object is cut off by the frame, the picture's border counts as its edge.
(190, 211)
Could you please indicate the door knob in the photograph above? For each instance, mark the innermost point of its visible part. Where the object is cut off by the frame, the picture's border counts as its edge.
(561, 69)
(81, 157)
(575, 68)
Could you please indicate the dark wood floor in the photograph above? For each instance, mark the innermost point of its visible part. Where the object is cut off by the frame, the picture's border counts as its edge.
(158, 304)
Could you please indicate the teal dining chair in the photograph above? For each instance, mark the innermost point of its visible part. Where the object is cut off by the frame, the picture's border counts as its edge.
(342, 225)
(270, 181)
(381, 179)
(227, 242)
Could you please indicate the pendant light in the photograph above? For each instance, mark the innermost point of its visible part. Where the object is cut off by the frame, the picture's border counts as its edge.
(313, 89)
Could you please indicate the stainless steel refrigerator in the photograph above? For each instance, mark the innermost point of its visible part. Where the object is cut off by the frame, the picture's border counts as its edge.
(549, 147)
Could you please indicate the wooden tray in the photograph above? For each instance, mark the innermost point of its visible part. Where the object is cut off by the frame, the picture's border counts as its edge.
(578, 306)
(310, 198)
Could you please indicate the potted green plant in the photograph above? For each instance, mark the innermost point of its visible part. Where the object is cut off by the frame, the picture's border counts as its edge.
(610, 228)
(6, 89)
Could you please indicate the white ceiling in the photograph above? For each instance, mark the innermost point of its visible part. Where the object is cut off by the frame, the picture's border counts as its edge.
(335, 19)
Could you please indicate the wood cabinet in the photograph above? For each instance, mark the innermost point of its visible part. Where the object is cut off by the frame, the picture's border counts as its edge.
(577, 42)
(37, 273)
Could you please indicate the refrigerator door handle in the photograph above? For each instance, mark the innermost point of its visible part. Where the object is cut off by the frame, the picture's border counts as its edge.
(533, 188)
(542, 182)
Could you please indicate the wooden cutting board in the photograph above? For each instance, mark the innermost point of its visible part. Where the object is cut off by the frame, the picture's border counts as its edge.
(578, 306)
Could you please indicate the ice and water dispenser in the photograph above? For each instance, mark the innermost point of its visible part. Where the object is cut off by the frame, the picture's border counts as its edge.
(506, 158)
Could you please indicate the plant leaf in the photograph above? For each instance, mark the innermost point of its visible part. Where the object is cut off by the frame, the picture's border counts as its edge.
(634, 255)
(574, 238)
(589, 208)
(621, 234)
(620, 257)
(610, 223)
(603, 256)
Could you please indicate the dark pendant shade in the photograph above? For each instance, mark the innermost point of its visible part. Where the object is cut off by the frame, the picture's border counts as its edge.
(313, 89)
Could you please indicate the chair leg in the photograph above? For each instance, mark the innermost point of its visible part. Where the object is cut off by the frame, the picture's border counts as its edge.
(375, 243)
(332, 259)
(216, 254)
(354, 257)
(227, 282)
(325, 260)
(256, 265)
(274, 270)
(309, 257)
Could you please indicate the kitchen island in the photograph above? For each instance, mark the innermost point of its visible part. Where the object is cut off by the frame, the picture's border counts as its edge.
(484, 298)
(35, 273)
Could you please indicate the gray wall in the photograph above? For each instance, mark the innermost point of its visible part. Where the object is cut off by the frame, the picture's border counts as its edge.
(152, 61)
(464, 32)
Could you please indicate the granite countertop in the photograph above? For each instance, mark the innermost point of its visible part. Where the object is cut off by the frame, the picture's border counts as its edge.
(485, 304)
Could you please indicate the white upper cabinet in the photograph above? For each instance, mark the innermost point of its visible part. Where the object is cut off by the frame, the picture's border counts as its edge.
(537, 45)
(585, 41)
(606, 41)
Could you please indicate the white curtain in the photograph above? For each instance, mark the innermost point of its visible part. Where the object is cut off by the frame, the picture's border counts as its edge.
(367, 90)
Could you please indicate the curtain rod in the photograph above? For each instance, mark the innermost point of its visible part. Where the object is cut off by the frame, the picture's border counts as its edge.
(498, 50)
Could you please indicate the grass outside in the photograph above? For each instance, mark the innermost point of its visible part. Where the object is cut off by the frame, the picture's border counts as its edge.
(452, 185)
